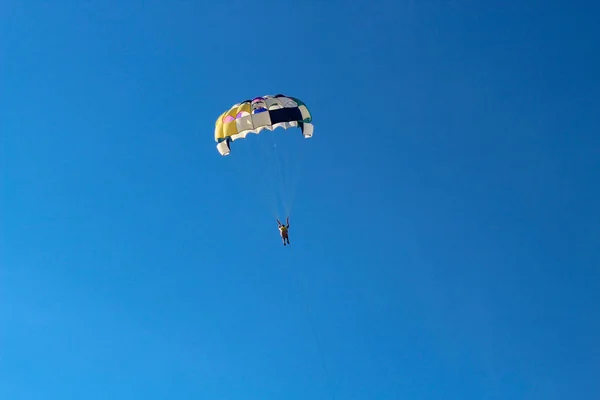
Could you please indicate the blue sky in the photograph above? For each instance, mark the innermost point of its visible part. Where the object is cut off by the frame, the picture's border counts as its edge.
(445, 235)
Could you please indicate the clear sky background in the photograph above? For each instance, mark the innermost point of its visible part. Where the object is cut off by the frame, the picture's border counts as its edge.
(445, 236)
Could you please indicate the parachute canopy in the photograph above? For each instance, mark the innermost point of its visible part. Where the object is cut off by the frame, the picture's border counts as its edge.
(266, 112)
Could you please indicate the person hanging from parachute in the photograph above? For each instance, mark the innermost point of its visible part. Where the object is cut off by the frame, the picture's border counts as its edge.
(283, 231)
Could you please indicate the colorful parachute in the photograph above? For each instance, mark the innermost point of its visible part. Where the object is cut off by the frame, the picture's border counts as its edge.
(267, 112)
